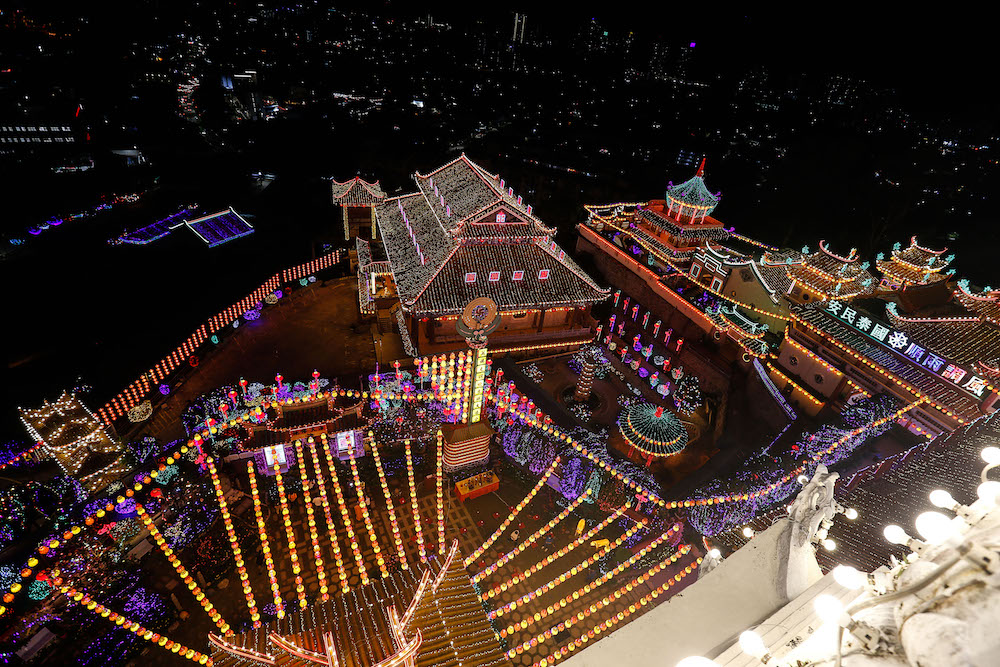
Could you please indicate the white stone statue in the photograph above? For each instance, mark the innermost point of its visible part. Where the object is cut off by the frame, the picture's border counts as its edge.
(813, 506)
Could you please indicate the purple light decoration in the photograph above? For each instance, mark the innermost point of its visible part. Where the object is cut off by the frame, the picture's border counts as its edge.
(692, 45)
(164, 389)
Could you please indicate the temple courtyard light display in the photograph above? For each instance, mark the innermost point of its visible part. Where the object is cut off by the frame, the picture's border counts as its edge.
(534, 461)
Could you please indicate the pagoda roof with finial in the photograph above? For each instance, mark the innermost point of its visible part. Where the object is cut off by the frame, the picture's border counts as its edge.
(356, 192)
(915, 264)
(831, 275)
(694, 193)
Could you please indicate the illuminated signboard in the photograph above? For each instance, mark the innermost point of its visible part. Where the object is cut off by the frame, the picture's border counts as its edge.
(274, 455)
(478, 383)
(346, 442)
(902, 345)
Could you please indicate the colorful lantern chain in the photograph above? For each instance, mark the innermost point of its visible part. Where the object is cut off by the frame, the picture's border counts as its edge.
(440, 493)
(510, 517)
(553, 557)
(311, 522)
(359, 488)
(531, 539)
(272, 576)
(293, 555)
(330, 524)
(234, 543)
(396, 537)
(182, 571)
(413, 503)
(331, 468)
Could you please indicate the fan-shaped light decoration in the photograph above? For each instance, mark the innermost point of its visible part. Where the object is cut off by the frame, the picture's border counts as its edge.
(652, 430)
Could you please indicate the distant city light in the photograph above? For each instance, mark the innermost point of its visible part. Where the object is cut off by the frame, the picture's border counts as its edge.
(692, 45)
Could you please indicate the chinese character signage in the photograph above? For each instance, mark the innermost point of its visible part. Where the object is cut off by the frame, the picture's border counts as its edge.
(900, 342)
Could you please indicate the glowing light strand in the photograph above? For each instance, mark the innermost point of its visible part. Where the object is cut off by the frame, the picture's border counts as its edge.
(234, 544)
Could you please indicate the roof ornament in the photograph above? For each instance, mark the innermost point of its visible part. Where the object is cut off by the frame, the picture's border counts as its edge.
(865, 265)
(949, 259)
(880, 256)
(805, 250)
(701, 169)
(896, 246)
(963, 284)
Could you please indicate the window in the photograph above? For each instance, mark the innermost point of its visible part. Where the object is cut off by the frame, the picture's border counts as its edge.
(793, 360)
(494, 276)
(501, 217)
(470, 277)
(543, 274)
(520, 316)
(695, 270)
(818, 379)
(518, 275)
(717, 284)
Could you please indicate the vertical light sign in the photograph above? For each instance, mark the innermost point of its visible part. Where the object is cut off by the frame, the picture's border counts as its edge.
(478, 383)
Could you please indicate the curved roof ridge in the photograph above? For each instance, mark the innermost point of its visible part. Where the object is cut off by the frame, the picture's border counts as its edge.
(850, 259)
(914, 244)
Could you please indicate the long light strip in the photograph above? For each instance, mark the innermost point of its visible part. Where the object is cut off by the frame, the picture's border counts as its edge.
(551, 558)
(132, 626)
(346, 516)
(440, 492)
(331, 526)
(234, 544)
(531, 539)
(272, 576)
(311, 522)
(293, 555)
(562, 652)
(415, 506)
(396, 537)
(596, 606)
(372, 537)
(182, 571)
(510, 517)
(580, 567)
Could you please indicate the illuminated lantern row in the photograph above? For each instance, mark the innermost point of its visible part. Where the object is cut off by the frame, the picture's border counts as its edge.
(580, 567)
(552, 557)
(604, 626)
(531, 539)
(598, 605)
(135, 628)
(440, 493)
(415, 506)
(47, 546)
(513, 514)
(293, 555)
(182, 572)
(331, 468)
(23, 456)
(272, 576)
(545, 612)
(234, 544)
(396, 537)
(359, 488)
(324, 590)
(325, 502)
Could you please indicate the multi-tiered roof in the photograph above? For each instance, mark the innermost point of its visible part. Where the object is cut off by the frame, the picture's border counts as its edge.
(464, 234)
(832, 276)
(913, 265)
(357, 192)
(691, 200)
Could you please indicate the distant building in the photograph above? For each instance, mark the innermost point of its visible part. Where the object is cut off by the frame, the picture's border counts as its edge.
(357, 199)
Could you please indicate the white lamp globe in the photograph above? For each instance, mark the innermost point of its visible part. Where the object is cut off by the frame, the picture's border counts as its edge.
(829, 544)
(989, 491)
(941, 498)
(935, 527)
(849, 577)
(851, 513)
(714, 553)
(895, 534)
(991, 455)
(747, 532)
(828, 608)
(752, 644)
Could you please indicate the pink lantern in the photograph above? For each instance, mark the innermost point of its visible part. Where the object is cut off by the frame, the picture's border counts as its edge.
(278, 378)
(224, 409)
(243, 386)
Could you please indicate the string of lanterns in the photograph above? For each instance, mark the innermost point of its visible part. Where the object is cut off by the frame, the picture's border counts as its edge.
(572, 620)
(121, 621)
(272, 576)
(331, 468)
(552, 557)
(182, 571)
(293, 555)
(604, 626)
(580, 567)
(396, 537)
(510, 517)
(439, 492)
(325, 502)
(311, 522)
(531, 539)
(359, 489)
(413, 503)
(234, 543)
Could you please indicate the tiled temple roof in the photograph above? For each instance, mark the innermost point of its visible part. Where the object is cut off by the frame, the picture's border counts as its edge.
(914, 264)
(822, 272)
(431, 252)
(357, 192)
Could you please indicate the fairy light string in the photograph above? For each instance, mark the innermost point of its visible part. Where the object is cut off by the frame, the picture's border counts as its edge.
(293, 555)
(311, 522)
(265, 546)
(396, 536)
(415, 506)
(330, 523)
